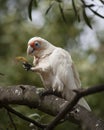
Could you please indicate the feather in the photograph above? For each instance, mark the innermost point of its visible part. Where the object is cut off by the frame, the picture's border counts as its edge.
(57, 70)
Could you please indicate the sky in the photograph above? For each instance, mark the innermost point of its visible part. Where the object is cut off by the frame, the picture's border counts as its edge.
(90, 35)
(87, 33)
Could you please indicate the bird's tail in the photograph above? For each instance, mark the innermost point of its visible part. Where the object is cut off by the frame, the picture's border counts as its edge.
(83, 103)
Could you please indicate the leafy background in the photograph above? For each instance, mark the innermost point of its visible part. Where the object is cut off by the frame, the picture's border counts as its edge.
(85, 45)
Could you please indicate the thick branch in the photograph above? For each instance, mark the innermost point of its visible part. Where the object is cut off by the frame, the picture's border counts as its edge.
(29, 96)
(69, 106)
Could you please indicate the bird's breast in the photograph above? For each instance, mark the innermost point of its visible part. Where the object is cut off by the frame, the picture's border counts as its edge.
(47, 78)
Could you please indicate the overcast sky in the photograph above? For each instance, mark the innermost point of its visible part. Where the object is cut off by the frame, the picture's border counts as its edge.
(88, 37)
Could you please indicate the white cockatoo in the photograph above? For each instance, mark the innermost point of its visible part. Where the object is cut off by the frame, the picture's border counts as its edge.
(55, 67)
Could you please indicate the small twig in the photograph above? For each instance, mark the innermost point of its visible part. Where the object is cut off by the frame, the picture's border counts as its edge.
(69, 106)
(11, 119)
(96, 13)
(91, 5)
(8, 108)
(90, 90)
(102, 1)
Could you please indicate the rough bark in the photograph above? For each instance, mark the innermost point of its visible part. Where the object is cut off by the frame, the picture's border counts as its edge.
(29, 96)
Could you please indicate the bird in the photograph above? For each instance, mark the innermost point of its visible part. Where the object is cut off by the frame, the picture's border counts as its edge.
(56, 68)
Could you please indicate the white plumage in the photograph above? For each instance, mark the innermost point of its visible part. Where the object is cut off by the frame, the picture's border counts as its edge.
(55, 67)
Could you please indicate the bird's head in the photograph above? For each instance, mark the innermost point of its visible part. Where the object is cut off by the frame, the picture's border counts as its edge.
(38, 47)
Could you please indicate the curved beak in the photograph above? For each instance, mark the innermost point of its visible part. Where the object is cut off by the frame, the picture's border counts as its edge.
(30, 50)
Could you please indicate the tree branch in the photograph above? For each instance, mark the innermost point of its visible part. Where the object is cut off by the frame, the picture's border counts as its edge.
(69, 106)
(11, 119)
(29, 96)
(9, 109)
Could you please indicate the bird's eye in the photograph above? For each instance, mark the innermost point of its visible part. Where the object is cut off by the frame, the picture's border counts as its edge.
(37, 44)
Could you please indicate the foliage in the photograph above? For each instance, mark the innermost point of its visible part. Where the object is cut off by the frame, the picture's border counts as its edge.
(16, 30)
(82, 6)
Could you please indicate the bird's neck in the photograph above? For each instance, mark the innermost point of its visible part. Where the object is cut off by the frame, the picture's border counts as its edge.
(46, 52)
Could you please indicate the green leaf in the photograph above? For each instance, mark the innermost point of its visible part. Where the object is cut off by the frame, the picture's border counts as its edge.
(35, 3)
(59, 1)
(62, 12)
(30, 9)
(87, 20)
(75, 10)
(49, 8)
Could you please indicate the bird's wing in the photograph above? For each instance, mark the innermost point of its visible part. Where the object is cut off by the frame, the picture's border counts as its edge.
(64, 68)
(67, 75)
(76, 76)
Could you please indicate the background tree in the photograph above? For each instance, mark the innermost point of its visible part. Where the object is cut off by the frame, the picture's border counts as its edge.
(85, 45)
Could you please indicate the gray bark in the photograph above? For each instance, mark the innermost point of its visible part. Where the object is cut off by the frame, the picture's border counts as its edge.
(29, 96)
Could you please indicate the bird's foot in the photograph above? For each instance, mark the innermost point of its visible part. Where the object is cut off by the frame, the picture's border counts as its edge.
(27, 66)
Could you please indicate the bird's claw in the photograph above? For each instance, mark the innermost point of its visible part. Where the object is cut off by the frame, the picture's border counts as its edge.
(27, 66)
